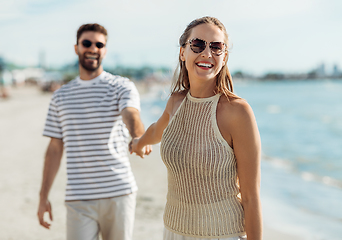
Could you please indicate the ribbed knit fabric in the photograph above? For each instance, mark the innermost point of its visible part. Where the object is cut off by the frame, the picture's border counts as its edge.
(202, 194)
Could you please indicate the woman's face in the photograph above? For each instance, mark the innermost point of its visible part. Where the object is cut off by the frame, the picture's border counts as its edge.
(203, 66)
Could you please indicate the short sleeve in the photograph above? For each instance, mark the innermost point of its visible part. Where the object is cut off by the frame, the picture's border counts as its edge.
(52, 124)
(128, 95)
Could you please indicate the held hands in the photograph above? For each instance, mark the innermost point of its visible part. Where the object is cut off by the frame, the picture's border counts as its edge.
(44, 206)
(138, 150)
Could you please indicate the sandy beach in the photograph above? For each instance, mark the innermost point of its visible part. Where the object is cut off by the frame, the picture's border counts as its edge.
(22, 149)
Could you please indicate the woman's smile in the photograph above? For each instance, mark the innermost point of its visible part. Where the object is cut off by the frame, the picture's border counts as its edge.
(204, 65)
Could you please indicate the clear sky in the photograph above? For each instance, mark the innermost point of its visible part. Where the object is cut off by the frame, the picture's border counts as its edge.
(265, 35)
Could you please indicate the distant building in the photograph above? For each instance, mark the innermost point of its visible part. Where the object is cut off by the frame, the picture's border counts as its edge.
(320, 71)
(336, 71)
(32, 75)
(42, 60)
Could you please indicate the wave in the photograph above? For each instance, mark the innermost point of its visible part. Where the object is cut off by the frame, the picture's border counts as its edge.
(307, 176)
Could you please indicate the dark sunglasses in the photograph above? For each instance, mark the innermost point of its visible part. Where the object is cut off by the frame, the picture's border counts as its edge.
(198, 45)
(87, 44)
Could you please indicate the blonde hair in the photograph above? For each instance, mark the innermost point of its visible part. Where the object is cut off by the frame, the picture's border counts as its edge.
(224, 83)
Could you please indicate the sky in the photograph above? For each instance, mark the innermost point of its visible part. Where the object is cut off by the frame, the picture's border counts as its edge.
(265, 35)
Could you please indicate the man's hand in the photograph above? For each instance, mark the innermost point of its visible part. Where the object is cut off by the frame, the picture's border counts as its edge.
(52, 161)
(44, 206)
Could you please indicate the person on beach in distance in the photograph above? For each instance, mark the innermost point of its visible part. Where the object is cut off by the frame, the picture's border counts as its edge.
(210, 145)
(88, 117)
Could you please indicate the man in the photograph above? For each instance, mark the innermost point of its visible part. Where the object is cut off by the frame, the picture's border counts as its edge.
(88, 117)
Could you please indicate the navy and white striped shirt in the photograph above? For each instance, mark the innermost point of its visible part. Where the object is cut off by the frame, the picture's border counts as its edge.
(86, 116)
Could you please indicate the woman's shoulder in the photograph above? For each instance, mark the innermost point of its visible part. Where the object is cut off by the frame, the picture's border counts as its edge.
(175, 101)
(176, 96)
(234, 108)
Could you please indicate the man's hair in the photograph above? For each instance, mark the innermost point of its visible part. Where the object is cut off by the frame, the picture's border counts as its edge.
(94, 27)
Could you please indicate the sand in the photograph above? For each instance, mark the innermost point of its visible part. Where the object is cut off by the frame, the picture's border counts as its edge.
(22, 149)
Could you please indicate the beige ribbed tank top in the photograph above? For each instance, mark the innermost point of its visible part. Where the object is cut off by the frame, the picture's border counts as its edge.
(202, 178)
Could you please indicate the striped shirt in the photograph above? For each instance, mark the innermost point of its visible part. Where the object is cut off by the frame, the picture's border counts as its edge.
(86, 116)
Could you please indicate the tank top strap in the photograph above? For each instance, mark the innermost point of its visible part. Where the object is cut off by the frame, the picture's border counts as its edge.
(213, 99)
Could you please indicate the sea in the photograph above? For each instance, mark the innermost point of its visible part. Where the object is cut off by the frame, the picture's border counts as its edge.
(300, 124)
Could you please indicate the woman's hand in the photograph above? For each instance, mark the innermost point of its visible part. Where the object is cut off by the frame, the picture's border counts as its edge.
(138, 150)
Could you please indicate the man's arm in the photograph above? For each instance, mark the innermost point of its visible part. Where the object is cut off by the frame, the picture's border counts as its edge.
(52, 162)
(131, 118)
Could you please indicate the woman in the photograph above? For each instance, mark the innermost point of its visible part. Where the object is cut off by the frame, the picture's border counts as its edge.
(210, 145)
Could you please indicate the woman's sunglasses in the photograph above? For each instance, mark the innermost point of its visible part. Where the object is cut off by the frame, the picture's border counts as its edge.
(198, 45)
(87, 44)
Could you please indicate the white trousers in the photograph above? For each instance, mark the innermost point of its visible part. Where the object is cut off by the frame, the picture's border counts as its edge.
(168, 235)
(113, 218)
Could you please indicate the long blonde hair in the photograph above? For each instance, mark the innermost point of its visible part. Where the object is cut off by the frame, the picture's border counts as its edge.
(224, 83)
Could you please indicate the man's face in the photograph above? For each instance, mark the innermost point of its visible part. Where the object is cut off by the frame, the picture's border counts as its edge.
(91, 57)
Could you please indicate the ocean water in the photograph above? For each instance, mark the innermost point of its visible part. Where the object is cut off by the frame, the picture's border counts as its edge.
(300, 124)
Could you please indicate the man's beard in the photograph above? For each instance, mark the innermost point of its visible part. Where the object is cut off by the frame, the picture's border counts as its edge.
(89, 67)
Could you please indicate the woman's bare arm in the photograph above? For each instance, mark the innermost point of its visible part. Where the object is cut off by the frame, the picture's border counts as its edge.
(245, 140)
(155, 131)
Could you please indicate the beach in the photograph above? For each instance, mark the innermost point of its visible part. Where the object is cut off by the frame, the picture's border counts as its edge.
(22, 149)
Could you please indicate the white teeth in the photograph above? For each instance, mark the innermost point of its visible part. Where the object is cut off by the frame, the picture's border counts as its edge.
(208, 65)
(94, 57)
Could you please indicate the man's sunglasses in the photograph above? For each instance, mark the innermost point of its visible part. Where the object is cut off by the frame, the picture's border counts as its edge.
(198, 45)
(87, 44)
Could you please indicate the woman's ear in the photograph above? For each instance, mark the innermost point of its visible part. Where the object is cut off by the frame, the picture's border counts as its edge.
(181, 54)
(225, 58)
